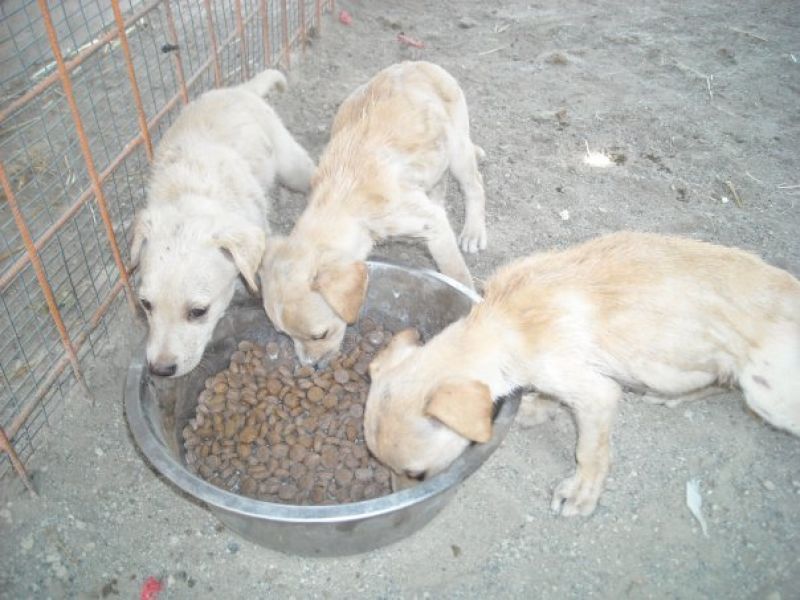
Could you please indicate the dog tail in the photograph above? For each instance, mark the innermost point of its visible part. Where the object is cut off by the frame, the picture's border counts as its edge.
(771, 379)
(263, 83)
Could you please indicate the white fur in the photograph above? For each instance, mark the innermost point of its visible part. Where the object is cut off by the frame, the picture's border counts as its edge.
(206, 215)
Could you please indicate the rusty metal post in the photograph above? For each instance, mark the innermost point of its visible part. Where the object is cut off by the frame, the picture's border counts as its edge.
(173, 39)
(97, 185)
(303, 32)
(5, 446)
(285, 30)
(137, 97)
(213, 36)
(41, 277)
(265, 34)
(242, 44)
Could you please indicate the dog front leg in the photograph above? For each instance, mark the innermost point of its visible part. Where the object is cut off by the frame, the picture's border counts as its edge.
(594, 416)
(443, 246)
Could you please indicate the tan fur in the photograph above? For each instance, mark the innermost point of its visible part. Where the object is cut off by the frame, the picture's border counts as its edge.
(667, 315)
(343, 287)
(465, 407)
(383, 174)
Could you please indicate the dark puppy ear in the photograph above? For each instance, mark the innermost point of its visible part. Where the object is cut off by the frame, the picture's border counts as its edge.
(465, 407)
(343, 285)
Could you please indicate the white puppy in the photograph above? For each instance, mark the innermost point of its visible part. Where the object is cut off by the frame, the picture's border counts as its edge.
(206, 215)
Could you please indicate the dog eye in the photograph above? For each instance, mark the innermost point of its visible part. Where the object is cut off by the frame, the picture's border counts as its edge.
(321, 336)
(196, 313)
(418, 475)
(146, 304)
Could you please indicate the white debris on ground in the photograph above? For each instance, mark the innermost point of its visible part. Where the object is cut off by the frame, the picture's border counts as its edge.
(694, 500)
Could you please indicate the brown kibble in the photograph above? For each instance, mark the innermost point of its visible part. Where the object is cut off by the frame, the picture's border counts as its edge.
(330, 401)
(297, 453)
(280, 451)
(248, 434)
(297, 470)
(258, 472)
(291, 400)
(356, 492)
(245, 450)
(312, 460)
(287, 492)
(280, 432)
(318, 495)
(363, 474)
(274, 386)
(343, 476)
(330, 457)
(249, 487)
(305, 371)
(315, 394)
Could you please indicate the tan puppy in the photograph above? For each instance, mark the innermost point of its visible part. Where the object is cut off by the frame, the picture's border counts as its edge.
(206, 216)
(383, 174)
(635, 310)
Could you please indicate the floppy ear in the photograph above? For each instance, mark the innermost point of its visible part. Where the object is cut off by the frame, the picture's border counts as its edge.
(407, 337)
(343, 285)
(141, 229)
(245, 243)
(465, 407)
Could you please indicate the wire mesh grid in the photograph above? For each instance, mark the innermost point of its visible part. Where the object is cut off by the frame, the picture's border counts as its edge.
(87, 86)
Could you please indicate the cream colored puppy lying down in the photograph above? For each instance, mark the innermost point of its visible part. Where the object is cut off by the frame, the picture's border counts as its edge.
(206, 215)
(667, 315)
(383, 174)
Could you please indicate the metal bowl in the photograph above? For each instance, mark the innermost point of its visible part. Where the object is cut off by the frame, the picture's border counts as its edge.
(158, 409)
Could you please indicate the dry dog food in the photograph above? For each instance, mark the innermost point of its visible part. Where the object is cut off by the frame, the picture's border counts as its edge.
(271, 430)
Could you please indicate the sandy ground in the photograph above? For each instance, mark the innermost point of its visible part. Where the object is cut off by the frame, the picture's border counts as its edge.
(691, 99)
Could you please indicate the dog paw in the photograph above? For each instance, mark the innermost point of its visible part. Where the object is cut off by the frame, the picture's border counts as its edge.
(575, 496)
(473, 237)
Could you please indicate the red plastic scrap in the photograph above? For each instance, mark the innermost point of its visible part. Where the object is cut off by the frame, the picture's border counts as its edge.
(150, 589)
(345, 18)
(410, 41)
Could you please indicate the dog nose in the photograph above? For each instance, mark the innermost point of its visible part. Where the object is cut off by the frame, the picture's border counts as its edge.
(163, 370)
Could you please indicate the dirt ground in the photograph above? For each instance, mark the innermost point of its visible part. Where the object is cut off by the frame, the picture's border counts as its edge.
(692, 100)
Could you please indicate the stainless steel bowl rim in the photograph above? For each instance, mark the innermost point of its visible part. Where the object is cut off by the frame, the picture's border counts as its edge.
(167, 465)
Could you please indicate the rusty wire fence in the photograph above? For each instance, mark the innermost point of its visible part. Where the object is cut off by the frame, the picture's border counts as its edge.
(86, 89)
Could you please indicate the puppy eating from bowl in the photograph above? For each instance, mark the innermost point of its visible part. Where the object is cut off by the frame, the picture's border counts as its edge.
(382, 174)
(663, 315)
(205, 222)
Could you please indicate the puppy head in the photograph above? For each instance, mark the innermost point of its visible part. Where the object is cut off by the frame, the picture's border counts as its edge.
(311, 298)
(417, 419)
(187, 276)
